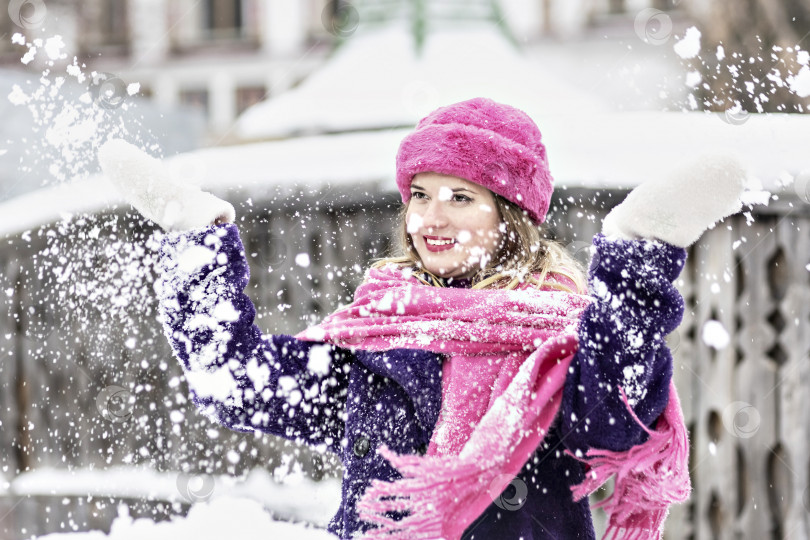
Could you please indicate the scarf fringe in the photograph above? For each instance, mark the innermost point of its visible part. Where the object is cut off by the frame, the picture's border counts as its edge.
(430, 487)
(649, 477)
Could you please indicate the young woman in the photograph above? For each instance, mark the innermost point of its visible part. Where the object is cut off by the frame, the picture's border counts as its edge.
(472, 389)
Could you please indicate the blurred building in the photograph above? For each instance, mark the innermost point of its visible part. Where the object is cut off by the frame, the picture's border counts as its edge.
(222, 56)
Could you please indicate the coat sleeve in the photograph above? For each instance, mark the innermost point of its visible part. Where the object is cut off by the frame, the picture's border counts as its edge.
(237, 376)
(621, 345)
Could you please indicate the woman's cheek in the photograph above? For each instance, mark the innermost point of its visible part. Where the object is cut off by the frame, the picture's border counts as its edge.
(414, 222)
(487, 236)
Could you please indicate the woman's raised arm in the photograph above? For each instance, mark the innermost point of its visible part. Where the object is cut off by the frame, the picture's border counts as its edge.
(621, 345)
(237, 376)
(635, 305)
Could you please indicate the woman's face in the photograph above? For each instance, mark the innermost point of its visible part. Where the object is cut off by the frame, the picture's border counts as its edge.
(453, 224)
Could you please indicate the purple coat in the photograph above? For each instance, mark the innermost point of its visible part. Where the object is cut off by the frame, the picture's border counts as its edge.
(352, 402)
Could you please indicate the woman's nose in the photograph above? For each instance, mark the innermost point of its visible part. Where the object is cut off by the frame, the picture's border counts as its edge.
(434, 216)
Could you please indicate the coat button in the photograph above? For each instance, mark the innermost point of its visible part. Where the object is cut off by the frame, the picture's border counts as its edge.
(361, 446)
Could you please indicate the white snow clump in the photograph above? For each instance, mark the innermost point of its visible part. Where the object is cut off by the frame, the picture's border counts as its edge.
(689, 46)
(715, 335)
(319, 360)
(800, 83)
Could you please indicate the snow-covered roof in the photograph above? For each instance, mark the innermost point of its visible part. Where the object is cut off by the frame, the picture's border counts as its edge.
(252, 169)
(586, 149)
(376, 79)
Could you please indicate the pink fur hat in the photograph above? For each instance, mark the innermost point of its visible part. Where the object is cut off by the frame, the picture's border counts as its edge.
(494, 145)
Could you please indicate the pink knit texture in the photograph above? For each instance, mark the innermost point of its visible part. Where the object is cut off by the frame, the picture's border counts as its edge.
(488, 143)
(516, 347)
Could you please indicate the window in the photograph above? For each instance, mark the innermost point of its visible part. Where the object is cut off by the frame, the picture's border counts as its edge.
(196, 99)
(113, 22)
(215, 26)
(103, 27)
(223, 19)
(247, 96)
(665, 5)
(616, 6)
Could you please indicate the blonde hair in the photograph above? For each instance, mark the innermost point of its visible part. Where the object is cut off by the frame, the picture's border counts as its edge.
(524, 254)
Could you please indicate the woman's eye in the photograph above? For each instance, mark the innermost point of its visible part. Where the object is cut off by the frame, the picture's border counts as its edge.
(418, 195)
(461, 198)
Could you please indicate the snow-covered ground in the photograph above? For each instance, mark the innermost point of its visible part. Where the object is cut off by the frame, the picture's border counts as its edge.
(294, 497)
(225, 517)
(225, 507)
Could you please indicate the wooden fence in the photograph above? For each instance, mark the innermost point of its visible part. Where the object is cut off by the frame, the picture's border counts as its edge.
(87, 379)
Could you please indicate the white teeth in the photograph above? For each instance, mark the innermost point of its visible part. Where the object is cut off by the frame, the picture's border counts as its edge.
(431, 242)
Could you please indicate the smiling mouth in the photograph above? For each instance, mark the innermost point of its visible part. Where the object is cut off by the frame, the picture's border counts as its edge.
(435, 243)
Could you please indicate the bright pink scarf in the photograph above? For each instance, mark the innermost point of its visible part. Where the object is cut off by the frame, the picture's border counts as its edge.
(508, 354)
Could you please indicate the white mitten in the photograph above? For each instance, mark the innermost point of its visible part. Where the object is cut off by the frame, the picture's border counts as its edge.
(147, 185)
(679, 207)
